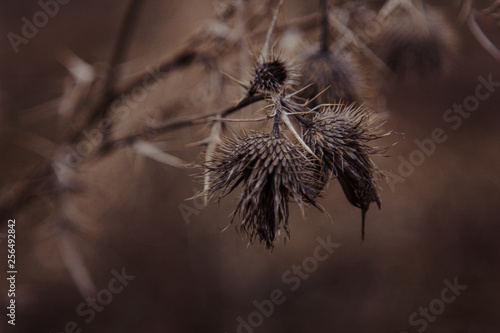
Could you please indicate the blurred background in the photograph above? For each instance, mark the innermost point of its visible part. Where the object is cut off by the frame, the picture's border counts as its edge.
(190, 272)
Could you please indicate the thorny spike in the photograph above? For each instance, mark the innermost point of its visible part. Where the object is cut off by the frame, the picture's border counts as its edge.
(75, 265)
(265, 49)
(227, 120)
(465, 10)
(240, 83)
(149, 150)
(297, 136)
(485, 42)
(78, 68)
(212, 140)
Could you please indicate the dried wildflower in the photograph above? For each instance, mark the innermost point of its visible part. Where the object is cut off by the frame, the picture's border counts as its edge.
(272, 171)
(337, 72)
(418, 43)
(271, 74)
(269, 77)
(339, 136)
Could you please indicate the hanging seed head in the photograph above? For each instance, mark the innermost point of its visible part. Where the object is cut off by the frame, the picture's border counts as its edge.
(272, 171)
(418, 44)
(338, 71)
(339, 136)
(269, 77)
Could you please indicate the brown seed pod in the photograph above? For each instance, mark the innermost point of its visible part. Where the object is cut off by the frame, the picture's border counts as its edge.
(269, 77)
(339, 136)
(272, 171)
(338, 71)
(417, 43)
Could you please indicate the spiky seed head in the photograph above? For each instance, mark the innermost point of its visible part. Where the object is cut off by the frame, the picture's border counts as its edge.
(338, 71)
(339, 136)
(418, 44)
(269, 77)
(272, 171)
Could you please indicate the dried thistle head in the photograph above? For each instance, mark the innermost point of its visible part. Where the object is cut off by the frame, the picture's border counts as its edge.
(272, 171)
(271, 73)
(420, 43)
(339, 136)
(269, 77)
(338, 72)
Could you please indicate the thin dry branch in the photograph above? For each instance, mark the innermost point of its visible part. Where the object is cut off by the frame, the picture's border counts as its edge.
(185, 58)
(153, 132)
(24, 192)
(478, 33)
(124, 39)
(325, 26)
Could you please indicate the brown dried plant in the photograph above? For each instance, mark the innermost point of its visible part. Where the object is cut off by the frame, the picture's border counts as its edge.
(314, 127)
(271, 170)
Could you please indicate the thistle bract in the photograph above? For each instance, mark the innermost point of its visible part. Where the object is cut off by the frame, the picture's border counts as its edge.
(269, 77)
(271, 171)
(339, 136)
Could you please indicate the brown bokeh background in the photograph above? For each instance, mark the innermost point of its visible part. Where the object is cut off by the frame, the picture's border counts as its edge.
(441, 223)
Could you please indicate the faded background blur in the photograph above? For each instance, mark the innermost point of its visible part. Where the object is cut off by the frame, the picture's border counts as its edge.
(441, 223)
